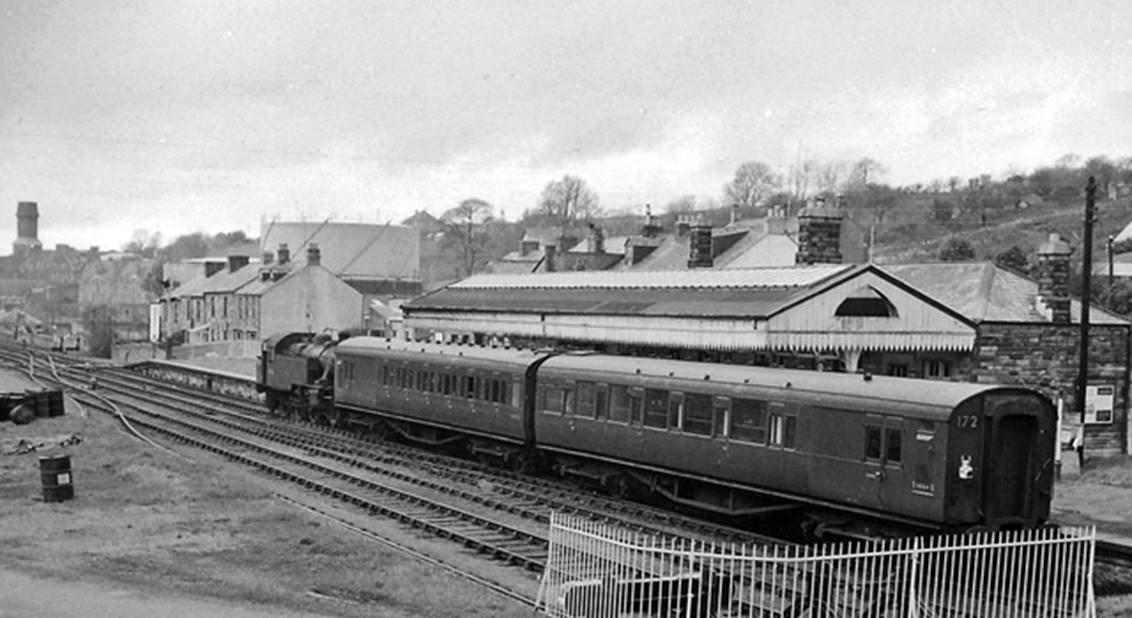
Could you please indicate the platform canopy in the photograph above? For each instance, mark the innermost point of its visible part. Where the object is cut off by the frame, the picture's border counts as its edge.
(818, 308)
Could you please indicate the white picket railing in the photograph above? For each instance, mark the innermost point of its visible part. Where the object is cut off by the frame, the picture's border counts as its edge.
(595, 570)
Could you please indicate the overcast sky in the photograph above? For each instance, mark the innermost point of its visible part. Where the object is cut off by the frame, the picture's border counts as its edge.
(197, 115)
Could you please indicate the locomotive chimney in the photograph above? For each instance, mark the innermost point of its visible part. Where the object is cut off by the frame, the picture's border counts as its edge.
(314, 255)
(1053, 279)
(284, 253)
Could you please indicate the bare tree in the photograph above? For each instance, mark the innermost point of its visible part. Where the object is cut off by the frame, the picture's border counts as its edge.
(682, 204)
(568, 199)
(864, 172)
(753, 181)
(466, 229)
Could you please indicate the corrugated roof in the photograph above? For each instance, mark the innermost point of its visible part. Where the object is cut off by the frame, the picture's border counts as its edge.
(783, 277)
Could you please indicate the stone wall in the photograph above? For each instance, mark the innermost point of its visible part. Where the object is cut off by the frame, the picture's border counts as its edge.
(1046, 356)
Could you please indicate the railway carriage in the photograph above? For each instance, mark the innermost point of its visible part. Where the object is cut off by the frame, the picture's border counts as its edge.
(729, 437)
(440, 394)
(735, 439)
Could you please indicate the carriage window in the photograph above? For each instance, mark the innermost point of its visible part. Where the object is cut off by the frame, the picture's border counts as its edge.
(470, 387)
(385, 377)
(551, 399)
(516, 394)
(656, 408)
(721, 407)
(782, 429)
(675, 410)
(748, 421)
(697, 414)
(892, 445)
(601, 402)
(567, 400)
(872, 442)
(586, 399)
(620, 403)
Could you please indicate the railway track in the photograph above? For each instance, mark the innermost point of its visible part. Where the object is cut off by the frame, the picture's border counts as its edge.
(453, 504)
(324, 444)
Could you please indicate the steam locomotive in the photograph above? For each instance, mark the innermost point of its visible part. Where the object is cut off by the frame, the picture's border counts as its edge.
(739, 440)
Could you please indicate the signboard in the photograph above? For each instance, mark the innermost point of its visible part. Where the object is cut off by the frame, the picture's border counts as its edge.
(1099, 403)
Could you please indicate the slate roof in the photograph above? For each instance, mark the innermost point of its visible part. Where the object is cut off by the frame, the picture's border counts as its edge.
(983, 292)
(350, 249)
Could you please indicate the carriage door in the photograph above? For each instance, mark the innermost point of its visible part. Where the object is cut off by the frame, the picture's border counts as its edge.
(1014, 432)
(884, 455)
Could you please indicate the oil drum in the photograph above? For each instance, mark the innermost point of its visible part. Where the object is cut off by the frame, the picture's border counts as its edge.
(55, 471)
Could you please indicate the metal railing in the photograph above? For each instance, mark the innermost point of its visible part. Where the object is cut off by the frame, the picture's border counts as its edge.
(595, 570)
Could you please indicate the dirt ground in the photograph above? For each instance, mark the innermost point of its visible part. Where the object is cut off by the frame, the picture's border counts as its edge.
(150, 533)
(154, 534)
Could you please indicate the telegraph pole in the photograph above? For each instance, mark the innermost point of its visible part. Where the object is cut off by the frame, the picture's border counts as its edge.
(1086, 271)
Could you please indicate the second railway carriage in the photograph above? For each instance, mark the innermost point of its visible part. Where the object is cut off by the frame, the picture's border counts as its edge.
(957, 454)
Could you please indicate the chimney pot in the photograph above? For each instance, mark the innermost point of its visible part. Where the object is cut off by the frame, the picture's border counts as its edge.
(314, 255)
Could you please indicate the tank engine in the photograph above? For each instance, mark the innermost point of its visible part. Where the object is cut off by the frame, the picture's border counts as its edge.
(296, 374)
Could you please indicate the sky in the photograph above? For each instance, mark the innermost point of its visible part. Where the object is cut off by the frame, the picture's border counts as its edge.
(173, 117)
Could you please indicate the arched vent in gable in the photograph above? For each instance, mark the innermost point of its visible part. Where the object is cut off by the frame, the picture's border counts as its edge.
(866, 302)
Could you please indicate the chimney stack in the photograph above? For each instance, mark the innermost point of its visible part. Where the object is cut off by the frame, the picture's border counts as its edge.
(314, 255)
(734, 213)
(683, 225)
(284, 253)
(550, 257)
(1053, 279)
(267, 259)
(597, 239)
(212, 267)
(651, 228)
(699, 254)
(236, 262)
(819, 234)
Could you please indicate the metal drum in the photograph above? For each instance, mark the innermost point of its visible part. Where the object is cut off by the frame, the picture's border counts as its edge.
(55, 471)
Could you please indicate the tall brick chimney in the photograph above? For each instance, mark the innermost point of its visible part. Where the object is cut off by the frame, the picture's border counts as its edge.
(819, 234)
(1053, 279)
(314, 255)
(283, 254)
(699, 246)
(27, 228)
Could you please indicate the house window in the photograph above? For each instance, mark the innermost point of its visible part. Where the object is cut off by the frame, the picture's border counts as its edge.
(899, 370)
(936, 368)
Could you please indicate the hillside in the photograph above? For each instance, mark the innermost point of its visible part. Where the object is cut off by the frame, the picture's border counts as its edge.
(909, 232)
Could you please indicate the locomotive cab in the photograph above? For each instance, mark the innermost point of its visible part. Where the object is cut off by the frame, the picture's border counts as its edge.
(999, 467)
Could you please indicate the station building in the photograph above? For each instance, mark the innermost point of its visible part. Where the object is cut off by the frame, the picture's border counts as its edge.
(946, 321)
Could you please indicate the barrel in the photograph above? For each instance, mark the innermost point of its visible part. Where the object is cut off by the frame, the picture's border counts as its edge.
(55, 471)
